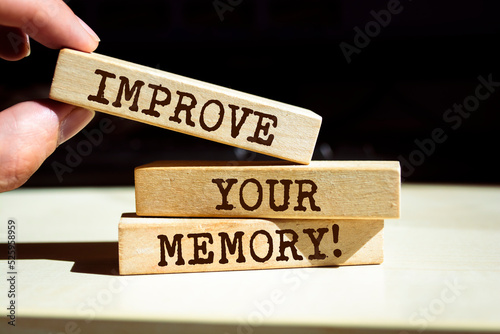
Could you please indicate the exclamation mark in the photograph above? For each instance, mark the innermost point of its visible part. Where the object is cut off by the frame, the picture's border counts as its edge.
(335, 230)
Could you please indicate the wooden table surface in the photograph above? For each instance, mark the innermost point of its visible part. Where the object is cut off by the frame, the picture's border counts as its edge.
(441, 273)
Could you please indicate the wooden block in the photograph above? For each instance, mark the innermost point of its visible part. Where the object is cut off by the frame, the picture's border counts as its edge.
(185, 105)
(149, 245)
(322, 189)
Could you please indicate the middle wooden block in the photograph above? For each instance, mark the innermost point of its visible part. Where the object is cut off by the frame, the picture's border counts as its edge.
(322, 189)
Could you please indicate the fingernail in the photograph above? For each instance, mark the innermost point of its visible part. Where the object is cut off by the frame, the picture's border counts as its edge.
(28, 47)
(73, 123)
(89, 30)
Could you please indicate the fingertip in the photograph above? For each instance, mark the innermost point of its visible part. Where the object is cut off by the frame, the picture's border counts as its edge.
(73, 122)
(89, 30)
(30, 132)
(90, 40)
(14, 44)
(52, 24)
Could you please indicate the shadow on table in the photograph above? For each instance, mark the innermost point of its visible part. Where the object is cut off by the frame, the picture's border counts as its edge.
(89, 257)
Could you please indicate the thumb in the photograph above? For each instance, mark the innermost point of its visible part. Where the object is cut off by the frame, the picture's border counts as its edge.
(30, 132)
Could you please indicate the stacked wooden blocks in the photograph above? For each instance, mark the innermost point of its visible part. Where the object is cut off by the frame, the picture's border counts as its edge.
(194, 216)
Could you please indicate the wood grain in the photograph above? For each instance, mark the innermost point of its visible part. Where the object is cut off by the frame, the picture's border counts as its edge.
(322, 189)
(185, 105)
(149, 245)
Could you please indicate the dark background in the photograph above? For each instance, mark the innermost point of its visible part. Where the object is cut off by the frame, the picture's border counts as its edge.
(394, 92)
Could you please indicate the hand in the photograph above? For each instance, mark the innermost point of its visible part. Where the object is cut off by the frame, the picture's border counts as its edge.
(31, 131)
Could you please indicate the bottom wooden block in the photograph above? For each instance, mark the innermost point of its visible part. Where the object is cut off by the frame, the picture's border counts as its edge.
(172, 245)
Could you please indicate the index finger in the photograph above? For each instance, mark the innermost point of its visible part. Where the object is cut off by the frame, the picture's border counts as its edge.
(50, 22)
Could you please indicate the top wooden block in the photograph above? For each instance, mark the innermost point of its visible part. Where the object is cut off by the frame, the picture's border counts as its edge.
(185, 105)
